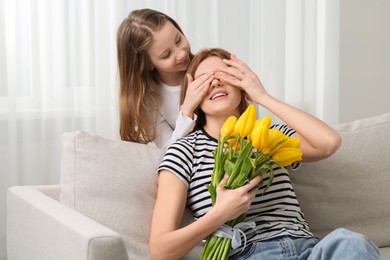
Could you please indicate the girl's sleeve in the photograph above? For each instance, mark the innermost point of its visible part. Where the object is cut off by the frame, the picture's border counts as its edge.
(167, 136)
(164, 134)
(184, 126)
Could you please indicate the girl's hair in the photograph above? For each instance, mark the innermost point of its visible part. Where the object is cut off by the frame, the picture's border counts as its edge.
(139, 93)
(197, 59)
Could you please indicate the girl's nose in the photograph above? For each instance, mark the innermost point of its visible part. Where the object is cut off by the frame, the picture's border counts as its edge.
(181, 55)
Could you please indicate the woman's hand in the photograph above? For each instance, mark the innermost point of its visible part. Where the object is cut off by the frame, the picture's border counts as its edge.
(196, 90)
(232, 203)
(240, 75)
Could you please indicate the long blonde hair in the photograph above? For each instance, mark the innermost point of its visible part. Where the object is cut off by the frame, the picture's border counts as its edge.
(139, 93)
(196, 60)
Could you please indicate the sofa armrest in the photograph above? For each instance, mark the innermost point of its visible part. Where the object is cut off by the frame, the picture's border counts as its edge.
(40, 227)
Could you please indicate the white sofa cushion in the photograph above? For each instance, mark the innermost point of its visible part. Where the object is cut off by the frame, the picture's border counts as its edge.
(115, 183)
(112, 182)
(351, 188)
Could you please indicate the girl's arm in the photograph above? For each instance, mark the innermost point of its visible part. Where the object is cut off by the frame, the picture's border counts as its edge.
(318, 140)
(166, 136)
(186, 119)
(167, 240)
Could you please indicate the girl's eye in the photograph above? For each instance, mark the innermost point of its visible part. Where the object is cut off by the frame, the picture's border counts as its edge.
(178, 40)
(166, 56)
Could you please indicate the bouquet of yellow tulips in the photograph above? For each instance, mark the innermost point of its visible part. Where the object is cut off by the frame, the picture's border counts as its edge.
(246, 148)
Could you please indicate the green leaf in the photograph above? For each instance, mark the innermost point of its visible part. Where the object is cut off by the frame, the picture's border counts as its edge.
(228, 167)
(244, 153)
(243, 176)
(270, 179)
(213, 193)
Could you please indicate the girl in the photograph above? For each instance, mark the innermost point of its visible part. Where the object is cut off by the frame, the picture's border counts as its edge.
(153, 55)
(281, 230)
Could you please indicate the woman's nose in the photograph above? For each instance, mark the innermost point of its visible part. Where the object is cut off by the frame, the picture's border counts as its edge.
(216, 83)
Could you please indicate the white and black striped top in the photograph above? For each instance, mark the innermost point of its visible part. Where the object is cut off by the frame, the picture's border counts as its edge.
(276, 213)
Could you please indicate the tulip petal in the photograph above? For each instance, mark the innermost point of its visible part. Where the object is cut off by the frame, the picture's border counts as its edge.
(286, 156)
(246, 121)
(228, 127)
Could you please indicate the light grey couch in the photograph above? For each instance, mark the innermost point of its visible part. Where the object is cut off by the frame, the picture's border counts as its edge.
(102, 207)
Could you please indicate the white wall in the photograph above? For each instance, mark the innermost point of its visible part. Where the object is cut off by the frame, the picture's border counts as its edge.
(364, 58)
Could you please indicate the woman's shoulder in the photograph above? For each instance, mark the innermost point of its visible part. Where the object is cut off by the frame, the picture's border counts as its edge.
(188, 140)
(194, 140)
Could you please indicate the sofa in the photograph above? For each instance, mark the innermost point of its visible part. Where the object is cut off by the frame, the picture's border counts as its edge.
(102, 207)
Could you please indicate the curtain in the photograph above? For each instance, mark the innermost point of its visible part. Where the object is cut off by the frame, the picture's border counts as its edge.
(58, 68)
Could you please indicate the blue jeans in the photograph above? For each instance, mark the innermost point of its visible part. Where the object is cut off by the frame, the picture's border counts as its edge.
(339, 244)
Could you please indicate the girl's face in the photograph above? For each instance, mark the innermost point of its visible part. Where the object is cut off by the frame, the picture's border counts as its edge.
(221, 100)
(169, 54)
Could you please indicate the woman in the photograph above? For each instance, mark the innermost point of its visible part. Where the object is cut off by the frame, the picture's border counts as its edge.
(153, 55)
(281, 230)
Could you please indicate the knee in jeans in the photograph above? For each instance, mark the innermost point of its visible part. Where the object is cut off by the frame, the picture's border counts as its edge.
(347, 236)
(344, 231)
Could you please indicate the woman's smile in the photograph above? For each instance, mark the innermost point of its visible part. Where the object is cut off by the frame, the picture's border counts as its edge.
(218, 94)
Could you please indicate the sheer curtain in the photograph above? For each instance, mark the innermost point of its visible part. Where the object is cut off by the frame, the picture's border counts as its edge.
(58, 67)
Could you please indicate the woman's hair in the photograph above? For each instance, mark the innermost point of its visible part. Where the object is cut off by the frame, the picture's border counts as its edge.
(139, 93)
(197, 59)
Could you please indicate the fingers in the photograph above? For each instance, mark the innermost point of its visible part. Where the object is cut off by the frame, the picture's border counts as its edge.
(189, 78)
(223, 181)
(200, 85)
(233, 57)
(237, 68)
(230, 72)
(203, 80)
(196, 90)
(208, 81)
(237, 63)
(234, 202)
(252, 184)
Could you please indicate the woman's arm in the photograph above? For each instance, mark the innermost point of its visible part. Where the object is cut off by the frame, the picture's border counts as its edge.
(167, 240)
(318, 140)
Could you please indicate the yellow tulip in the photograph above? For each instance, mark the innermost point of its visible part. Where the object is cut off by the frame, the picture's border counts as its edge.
(259, 135)
(275, 137)
(255, 134)
(228, 127)
(246, 121)
(233, 142)
(291, 143)
(286, 156)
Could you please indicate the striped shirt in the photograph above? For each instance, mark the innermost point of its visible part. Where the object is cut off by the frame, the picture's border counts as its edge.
(276, 212)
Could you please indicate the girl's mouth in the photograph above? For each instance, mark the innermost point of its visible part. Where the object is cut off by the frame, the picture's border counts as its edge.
(182, 62)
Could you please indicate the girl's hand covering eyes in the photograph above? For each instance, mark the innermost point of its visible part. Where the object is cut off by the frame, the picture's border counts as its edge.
(196, 90)
(239, 74)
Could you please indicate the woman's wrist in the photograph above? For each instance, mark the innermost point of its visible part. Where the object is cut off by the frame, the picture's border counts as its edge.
(217, 216)
(263, 99)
